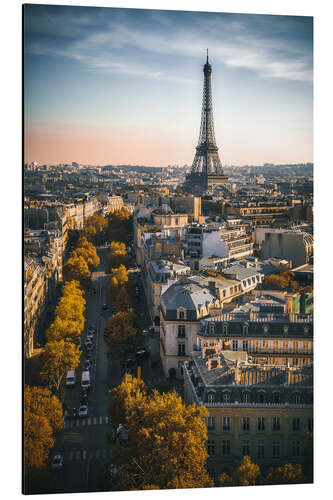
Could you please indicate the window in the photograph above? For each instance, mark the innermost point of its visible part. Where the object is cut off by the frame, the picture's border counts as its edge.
(295, 346)
(181, 330)
(210, 423)
(225, 329)
(276, 397)
(246, 447)
(275, 346)
(226, 423)
(235, 345)
(305, 347)
(211, 327)
(297, 398)
(225, 448)
(245, 345)
(260, 449)
(226, 397)
(245, 397)
(276, 423)
(181, 315)
(296, 424)
(285, 346)
(181, 349)
(211, 447)
(276, 448)
(245, 330)
(211, 397)
(224, 293)
(246, 423)
(295, 448)
(180, 368)
(261, 424)
(264, 345)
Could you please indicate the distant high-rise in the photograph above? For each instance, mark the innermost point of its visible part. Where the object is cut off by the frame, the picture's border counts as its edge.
(207, 171)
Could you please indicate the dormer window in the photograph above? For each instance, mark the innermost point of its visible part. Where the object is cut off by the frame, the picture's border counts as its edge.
(211, 397)
(211, 328)
(245, 329)
(266, 328)
(225, 329)
(306, 329)
(181, 313)
(285, 329)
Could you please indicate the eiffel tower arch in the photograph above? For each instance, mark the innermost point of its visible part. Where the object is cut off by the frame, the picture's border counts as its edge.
(206, 172)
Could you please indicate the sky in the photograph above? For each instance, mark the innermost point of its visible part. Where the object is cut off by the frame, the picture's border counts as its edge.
(124, 86)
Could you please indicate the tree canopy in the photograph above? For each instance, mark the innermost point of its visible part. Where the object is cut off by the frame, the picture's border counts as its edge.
(246, 474)
(166, 439)
(76, 268)
(117, 255)
(122, 333)
(59, 357)
(43, 417)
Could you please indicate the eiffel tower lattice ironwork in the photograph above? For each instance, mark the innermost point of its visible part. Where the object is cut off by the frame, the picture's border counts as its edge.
(206, 168)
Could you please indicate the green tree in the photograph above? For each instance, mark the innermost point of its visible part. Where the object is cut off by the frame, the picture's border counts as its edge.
(166, 439)
(59, 357)
(246, 474)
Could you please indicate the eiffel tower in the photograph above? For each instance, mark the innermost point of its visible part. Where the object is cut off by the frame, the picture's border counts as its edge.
(206, 172)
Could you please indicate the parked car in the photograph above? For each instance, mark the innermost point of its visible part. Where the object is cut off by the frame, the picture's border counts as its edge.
(104, 307)
(145, 332)
(87, 364)
(89, 346)
(83, 411)
(87, 341)
(57, 462)
(142, 353)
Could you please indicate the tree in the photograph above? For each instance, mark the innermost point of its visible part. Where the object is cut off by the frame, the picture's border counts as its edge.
(63, 329)
(166, 439)
(59, 357)
(95, 227)
(122, 302)
(122, 335)
(117, 255)
(76, 268)
(246, 474)
(41, 401)
(43, 417)
(286, 474)
(119, 225)
(87, 250)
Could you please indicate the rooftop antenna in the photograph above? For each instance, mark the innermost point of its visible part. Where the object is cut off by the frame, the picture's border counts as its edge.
(207, 56)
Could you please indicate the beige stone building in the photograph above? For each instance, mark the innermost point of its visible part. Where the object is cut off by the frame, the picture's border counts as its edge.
(254, 409)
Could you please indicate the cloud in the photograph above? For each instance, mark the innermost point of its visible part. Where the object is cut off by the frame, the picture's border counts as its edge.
(116, 41)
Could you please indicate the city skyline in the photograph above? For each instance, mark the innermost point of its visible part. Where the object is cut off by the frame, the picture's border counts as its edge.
(118, 86)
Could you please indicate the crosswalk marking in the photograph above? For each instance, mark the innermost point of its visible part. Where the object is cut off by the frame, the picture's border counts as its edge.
(73, 437)
(104, 453)
(85, 422)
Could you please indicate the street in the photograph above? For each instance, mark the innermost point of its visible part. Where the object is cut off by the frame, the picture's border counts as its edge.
(82, 443)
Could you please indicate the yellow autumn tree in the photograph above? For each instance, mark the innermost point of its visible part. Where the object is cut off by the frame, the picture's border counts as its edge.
(122, 333)
(285, 474)
(76, 268)
(43, 417)
(88, 251)
(63, 329)
(166, 439)
(117, 255)
(59, 357)
(246, 474)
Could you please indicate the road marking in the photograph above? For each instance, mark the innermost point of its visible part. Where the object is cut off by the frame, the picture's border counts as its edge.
(84, 454)
(88, 421)
(100, 420)
(95, 420)
(106, 420)
(83, 423)
(78, 423)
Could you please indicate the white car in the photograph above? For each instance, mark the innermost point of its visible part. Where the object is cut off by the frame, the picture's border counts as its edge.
(57, 462)
(83, 411)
